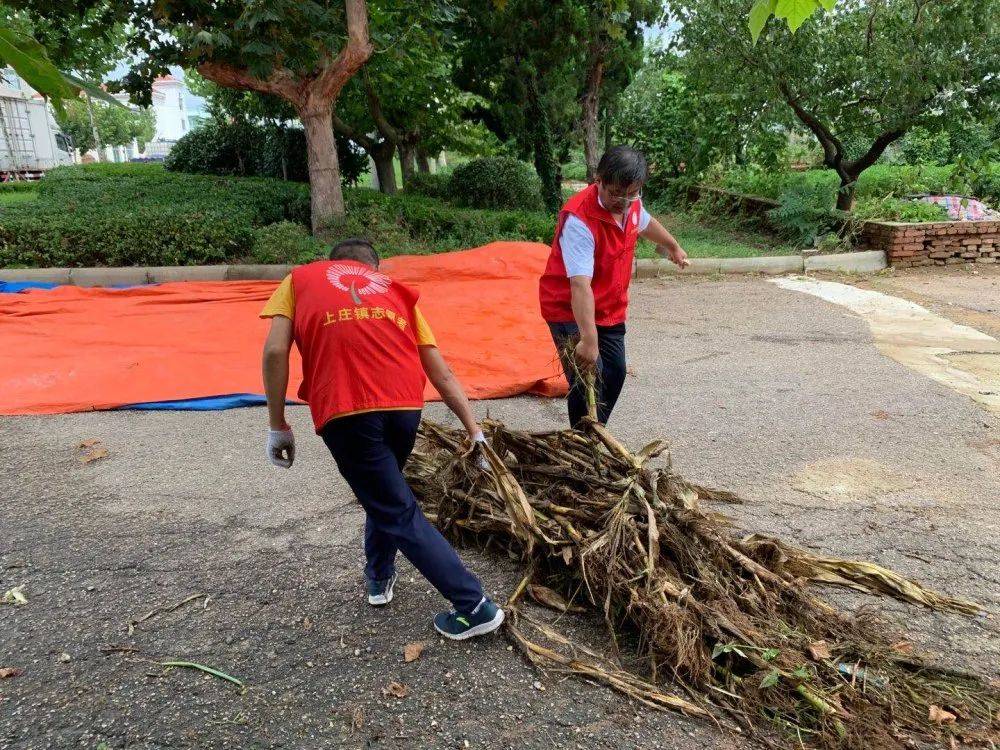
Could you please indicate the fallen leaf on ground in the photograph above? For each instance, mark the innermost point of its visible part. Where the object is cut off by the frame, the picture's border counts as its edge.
(92, 450)
(6, 672)
(15, 596)
(939, 716)
(549, 598)
(412, 651)
(397, 689)
(819, 650)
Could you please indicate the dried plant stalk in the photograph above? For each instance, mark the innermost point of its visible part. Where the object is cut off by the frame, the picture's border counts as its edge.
(694, 607)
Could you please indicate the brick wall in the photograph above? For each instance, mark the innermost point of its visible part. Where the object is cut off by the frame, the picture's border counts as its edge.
(939, 243)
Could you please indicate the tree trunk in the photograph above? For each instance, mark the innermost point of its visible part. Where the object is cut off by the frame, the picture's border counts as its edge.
(589, 122)
(384, 169)
(406, 160)
(324, 171)
(423, 161)
(545, 161)
(845, 195)
(98, 146)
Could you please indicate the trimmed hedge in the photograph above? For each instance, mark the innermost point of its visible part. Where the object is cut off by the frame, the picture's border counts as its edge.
(429, 185)
(120, 215)
(247, 150)
(19, 186)
(496, 182)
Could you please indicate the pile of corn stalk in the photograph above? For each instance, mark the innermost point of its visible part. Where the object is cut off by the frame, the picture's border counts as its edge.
(702, 619)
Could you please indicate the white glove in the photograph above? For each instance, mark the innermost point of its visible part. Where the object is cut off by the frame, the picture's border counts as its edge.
(281, 447)
(481, 461)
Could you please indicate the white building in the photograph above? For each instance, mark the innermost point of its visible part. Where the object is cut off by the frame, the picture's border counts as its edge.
(172, 120)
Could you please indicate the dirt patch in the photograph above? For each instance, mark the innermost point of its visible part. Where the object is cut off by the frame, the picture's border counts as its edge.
(849, 479)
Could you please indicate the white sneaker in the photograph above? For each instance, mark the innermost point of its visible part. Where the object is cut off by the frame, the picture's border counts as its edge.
(380, 592)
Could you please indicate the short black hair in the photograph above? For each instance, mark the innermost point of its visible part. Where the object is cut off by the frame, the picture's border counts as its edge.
(355, 248)
(622, 165)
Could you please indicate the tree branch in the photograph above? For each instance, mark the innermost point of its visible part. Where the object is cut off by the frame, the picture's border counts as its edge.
(355, 54)
(281, 82)
(877, 148)
(833, 150)
(368, 144)
(375, 109)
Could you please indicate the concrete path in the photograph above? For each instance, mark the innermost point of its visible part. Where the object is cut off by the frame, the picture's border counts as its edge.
(775, 394)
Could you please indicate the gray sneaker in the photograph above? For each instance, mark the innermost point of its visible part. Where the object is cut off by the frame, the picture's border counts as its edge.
(380, 592)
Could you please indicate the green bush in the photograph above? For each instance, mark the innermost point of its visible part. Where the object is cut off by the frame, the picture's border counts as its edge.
(120, 215)
(429, 185)
(805, 213)
(576, 168)
(496, 182)
(876, 182)
(19, 186)
(122, 236)
(895, 209)
(248, 150)
(920, 146)
(405, 224)
(101, 187)
(286, 242)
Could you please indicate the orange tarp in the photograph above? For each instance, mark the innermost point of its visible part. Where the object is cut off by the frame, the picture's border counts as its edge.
(77, 349)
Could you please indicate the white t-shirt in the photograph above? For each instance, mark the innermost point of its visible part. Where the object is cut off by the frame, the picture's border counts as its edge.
(577, 243)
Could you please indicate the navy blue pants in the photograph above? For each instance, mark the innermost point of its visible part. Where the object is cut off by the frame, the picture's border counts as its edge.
(610, 369)
(370, 450)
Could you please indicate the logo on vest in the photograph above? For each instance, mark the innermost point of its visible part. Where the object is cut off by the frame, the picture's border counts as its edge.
(357, 281)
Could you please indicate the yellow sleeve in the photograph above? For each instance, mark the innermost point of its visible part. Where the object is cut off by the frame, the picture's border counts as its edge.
(282, 302)
(425, 336)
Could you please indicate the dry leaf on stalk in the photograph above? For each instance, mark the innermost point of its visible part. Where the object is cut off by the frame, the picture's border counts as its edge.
(397, 689)
(412, 651)
(6, 672)
(819, 650)
(551, 599)
(939, 716)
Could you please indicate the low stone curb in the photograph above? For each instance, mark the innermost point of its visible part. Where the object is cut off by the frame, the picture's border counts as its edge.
(144, 275)
(867, 262)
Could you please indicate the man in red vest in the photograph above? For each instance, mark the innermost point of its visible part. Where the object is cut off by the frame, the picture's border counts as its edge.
(366, 353)
(584, 290)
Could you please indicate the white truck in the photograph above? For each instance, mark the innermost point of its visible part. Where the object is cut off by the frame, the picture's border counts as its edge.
(30, 140)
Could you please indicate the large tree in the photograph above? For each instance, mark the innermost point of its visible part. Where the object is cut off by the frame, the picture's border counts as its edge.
(524, 59)
(858, 77)
(611, 33)
(299, 50)
(404, 102)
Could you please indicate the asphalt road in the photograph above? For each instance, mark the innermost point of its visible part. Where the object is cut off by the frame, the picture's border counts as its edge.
(776, 395)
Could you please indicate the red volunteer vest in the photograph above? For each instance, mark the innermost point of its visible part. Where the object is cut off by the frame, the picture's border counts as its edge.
(354, 328)
(614, 249)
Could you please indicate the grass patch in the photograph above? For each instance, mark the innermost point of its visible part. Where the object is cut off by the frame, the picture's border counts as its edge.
(720, 239)
(12, 199)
